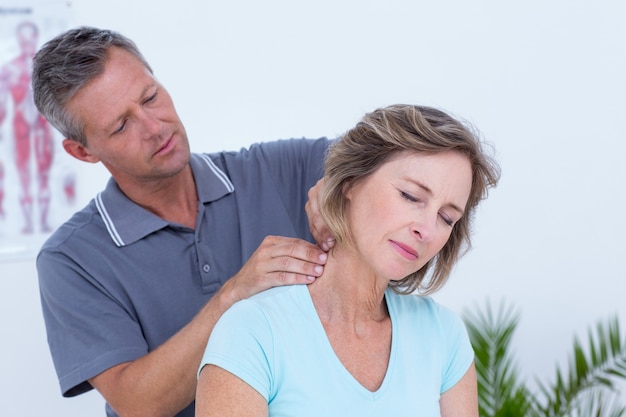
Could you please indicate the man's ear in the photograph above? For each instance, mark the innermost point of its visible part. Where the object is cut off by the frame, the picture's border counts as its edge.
(78, 151)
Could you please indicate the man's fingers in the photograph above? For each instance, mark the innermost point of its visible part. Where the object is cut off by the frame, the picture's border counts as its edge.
(278, 247)
(318, 227)
(283, 261)
(286, 264)
(279, 261)
(290, 278)
(327, 244)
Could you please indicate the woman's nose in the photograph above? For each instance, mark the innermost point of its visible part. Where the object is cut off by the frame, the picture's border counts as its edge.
(424, 226)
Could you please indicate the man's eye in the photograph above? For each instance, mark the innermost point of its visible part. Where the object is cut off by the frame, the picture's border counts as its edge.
(151, 98)
(121, 128)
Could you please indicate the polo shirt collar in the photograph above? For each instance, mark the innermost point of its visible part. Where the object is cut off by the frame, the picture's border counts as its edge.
(128, 222)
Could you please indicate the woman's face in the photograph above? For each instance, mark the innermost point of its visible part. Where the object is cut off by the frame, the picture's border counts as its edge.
(401, 215)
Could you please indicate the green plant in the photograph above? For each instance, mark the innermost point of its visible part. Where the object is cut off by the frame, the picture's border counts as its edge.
(586, 387)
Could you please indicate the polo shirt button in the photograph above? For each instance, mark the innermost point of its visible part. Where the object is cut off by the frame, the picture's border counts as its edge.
(206, 268)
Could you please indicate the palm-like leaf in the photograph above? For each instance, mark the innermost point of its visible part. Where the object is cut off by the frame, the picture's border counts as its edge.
(500, 392)
(591, 373)
(597, 403)
(586, 388)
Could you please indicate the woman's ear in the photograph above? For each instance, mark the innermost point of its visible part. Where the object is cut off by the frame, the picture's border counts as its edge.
(346, 189)
(78, 151)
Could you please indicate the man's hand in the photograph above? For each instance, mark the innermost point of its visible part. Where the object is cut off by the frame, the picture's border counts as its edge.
(319, 228)
(277, 261)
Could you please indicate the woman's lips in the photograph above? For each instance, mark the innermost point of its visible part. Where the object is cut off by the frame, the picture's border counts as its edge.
(405, 250)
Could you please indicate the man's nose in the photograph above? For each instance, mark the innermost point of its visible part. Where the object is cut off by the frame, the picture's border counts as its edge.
(151, 125)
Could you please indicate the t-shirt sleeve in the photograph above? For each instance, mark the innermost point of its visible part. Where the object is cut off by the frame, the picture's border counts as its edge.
(241, 343)
(460, 353)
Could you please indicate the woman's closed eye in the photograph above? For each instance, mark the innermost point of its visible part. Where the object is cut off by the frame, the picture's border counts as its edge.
(447, 219)
(409, 197)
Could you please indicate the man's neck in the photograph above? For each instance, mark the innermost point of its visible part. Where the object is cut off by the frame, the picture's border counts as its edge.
(173, 199)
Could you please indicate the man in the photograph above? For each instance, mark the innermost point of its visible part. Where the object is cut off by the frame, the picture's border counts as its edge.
(31, 132)
(132, 285)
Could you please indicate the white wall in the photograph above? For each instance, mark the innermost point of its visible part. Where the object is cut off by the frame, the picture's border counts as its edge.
(543, 81)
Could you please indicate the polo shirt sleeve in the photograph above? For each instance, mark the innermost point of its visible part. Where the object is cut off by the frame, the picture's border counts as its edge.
(88, 331)
(302, 157)
(274, 177)
(295, 166)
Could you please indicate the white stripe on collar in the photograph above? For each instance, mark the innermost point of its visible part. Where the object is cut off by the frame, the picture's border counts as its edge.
(219, 173)
(108, 222)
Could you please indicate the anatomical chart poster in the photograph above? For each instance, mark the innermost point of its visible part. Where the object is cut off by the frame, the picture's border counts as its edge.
(37, 182)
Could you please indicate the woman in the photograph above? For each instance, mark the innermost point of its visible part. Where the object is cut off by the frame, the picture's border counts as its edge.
(401, 189)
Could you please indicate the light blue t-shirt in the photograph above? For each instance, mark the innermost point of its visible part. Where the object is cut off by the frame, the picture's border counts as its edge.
(276, 343)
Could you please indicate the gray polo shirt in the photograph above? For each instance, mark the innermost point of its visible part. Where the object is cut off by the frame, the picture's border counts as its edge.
(116, 281)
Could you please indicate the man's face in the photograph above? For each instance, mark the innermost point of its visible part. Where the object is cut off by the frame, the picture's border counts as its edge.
(130, 123)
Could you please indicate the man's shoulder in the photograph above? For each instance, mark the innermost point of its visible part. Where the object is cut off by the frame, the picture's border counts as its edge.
(259, 149)
(84, 222)
(274, 156)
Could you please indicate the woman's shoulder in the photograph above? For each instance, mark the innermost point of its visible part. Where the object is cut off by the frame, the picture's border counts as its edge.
(275, 299)
(269, 295)
(422, 305)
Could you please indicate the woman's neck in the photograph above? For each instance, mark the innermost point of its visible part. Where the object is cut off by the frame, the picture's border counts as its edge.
(350, 302)
(349, 290)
